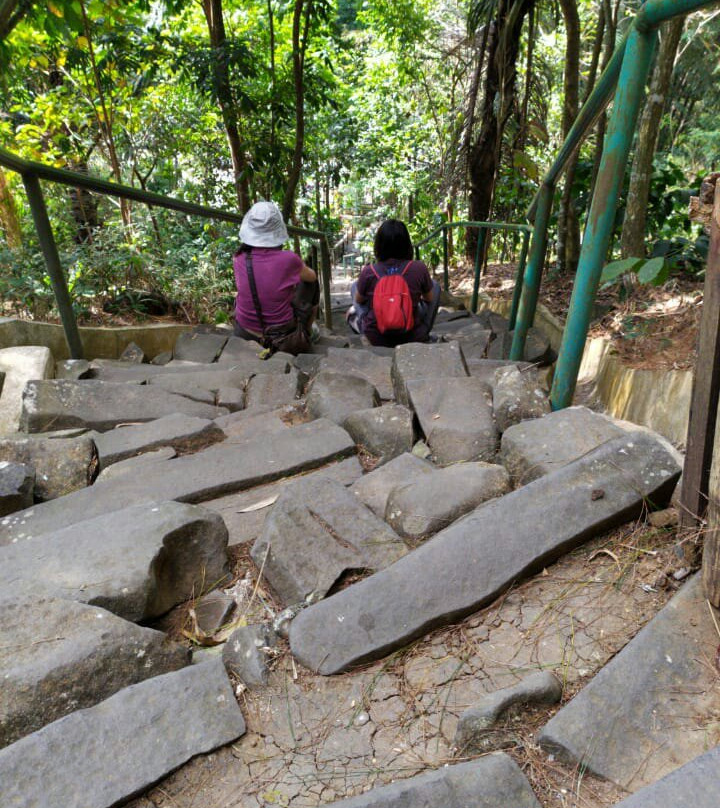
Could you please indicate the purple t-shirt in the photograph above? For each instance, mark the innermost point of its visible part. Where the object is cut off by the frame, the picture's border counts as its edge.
(419, 283)
(277, 273)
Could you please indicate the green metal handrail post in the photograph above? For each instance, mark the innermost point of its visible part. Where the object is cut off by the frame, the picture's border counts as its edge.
(54, 267)
(519, 276)
(325, 271)
(446, 278)
(533, 272)
(601, 218)
(478, 260)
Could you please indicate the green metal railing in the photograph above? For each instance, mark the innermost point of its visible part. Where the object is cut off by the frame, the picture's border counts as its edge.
(628, 70)
(483, 227)
(32, 172)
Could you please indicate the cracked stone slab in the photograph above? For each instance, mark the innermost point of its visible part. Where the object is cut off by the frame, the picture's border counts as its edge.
(335, 396)
(131, 464)
(272, 389)
(137, 563)
(541, 687)
(218, 470)
(58, 656)
(20, 366)
(316, 531)
(58, 404)
(456, 416)
(697, 783)
(530, 449)
(211, 382)
(517, 397)
(636, 720)
(197, 347)
(418, 509)
(61, 464)
(416, 360)
(100, 756)
(469, 563)
(494, 781)
(384, 432)
(184, 433)
(374, 488)
(358, 362)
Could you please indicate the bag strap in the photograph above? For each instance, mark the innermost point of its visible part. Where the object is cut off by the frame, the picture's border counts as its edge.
(253, 290)
(406, 267)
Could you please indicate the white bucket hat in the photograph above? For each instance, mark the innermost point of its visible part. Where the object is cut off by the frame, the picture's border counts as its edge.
(263, 226)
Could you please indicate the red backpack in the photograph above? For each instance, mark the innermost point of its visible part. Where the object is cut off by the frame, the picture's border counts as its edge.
(392, 303)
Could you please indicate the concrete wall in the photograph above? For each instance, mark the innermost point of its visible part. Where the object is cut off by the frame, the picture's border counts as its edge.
(99, 343)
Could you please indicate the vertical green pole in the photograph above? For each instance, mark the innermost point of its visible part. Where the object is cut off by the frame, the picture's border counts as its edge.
(446, 279)
(478, 261)
(601, 219)
(54, 267)
(519, 275)
(325, 271)
(533, 272)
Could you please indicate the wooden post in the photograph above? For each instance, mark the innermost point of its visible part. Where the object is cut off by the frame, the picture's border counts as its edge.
(706, 390)
(711, 552)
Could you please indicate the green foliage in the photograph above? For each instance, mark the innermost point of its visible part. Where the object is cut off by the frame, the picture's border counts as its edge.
(654, 271)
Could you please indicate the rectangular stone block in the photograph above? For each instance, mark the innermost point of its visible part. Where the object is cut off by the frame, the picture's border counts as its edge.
(471, 562)
(417, 360)
(101, 756)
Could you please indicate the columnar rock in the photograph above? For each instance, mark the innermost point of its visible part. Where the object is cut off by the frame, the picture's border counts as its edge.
(374, 488)
(272, 389)
(132, 353)
(337, 395)
(101, 756)
(19, 366)
(494, 781)
(72, 369)
(184, 433)
(485, 369)
(137, 563)
(197, 347)
(213, 611)
(457, 418)
(384, 432)
(58, 656)
(469, 563)
(221, 469)
(417, 360)
(418, 509)
(246, 654)
(17, 481)
(517, 396)
(541, 687)
(61, 465)
(637, 719)
(375, 369)
(316, 531)
(101, 405)
(187, 384)
(132, 465)
(533, 448)
(237, 349)
(695, 784)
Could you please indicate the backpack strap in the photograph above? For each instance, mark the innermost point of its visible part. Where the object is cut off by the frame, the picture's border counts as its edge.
(407, 266)
(253, 290)
(374, 271)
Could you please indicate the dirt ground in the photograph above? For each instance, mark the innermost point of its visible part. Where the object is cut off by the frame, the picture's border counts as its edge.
(314, 739)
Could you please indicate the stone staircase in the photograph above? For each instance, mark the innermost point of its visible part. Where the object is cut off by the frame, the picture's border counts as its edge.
(359, 511)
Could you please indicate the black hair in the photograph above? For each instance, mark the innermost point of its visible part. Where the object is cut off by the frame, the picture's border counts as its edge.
(392, 240)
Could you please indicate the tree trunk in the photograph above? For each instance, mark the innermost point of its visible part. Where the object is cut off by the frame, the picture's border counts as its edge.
(611, 16)
(498, 99)
(8, 215)
(633, 232)
(226, 101)
(568, 243)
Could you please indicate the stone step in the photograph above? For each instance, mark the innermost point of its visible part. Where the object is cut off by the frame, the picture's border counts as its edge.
(425, 361)
(58, 656)
(59, 404)
(637, 720)
(18, 366)
(469, 563)
(137, 562)
(101, 756)
(219, 470)
(494, 781)
(366, 364)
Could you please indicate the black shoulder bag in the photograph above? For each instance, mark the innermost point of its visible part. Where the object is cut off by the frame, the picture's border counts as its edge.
(290, 337)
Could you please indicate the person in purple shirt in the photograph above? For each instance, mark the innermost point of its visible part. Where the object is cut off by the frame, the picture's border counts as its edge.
(394, 251)
(287, 289)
